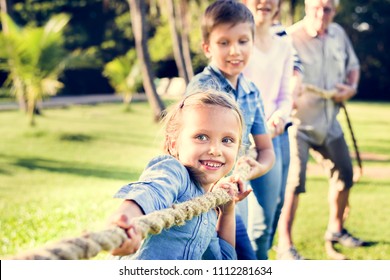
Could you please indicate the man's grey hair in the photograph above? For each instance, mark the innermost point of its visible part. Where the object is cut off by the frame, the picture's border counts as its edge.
(334, 2)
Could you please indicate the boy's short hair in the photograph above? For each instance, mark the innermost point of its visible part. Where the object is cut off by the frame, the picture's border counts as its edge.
(222, 12)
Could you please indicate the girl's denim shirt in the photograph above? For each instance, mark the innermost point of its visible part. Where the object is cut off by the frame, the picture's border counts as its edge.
(165, 181)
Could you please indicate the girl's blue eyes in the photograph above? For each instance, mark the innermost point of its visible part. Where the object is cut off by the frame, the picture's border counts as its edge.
(228, 140)
(203, 137)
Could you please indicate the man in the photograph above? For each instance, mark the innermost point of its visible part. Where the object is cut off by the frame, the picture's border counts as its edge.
(330, 64)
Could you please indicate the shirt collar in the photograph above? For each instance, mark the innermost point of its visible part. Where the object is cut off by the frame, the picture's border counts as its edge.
(241, 81)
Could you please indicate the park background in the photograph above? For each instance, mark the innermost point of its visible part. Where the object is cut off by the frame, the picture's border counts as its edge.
(57, 177)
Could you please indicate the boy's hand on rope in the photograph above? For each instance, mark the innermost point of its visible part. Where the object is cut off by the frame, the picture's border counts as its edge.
(248, 167)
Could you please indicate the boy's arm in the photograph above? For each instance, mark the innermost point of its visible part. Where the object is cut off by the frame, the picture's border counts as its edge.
(265, 156)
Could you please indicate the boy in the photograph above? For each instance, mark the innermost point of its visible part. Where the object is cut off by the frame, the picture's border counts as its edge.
(228, 36)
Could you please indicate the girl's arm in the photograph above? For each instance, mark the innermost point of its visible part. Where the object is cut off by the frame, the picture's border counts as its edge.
(122, 218)
(226, 225)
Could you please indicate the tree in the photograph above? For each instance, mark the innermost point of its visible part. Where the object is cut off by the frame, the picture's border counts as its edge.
(124, 75)
(138, 15)
(179, 25)
(35, 58)
(98, 24)
(367, 24)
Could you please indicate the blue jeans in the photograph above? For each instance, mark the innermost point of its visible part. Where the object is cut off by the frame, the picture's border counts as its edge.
(269, 191)
(244, 247)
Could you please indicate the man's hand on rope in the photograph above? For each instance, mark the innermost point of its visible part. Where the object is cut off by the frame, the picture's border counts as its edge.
(344, 92)
(122, 218)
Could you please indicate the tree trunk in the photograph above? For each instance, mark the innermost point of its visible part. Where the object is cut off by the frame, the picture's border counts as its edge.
(185, 40)
(19, 91)
(138, 15)
(31, 111)
(176, 42)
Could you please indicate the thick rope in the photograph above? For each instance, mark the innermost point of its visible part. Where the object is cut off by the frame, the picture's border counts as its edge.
(328, 94)
(89, 245)
(355, 145)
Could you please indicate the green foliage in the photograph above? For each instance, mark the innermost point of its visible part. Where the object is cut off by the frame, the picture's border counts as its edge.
(105, 26)
(35, 58)
(367, 23)
(61, 182)
(160, 46)
(124, 75)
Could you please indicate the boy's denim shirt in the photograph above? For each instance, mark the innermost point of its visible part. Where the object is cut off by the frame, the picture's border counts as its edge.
(247, 96)
(165, 181)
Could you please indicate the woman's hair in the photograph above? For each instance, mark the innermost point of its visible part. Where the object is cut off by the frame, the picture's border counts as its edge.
(173, 119)
(225, 12)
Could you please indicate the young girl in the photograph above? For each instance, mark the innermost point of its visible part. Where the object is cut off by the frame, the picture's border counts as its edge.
(202, 139)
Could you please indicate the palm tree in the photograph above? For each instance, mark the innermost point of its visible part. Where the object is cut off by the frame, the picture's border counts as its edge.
(124, 75)
(5, 29)
(35, 57)
(138, 15)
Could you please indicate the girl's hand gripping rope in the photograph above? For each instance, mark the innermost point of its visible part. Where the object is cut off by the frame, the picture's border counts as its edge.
(123, 219)
(130, 216)
(235, 187)
(130, 221)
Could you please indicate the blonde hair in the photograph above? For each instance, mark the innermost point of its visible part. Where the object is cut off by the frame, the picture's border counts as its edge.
(173, 119)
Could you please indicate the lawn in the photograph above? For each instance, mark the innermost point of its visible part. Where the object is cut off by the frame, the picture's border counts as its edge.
(57, 178)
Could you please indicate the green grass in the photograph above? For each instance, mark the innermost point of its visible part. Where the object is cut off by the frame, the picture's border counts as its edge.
(57, 179)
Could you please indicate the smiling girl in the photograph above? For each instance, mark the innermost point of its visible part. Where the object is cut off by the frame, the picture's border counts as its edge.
(202, 139)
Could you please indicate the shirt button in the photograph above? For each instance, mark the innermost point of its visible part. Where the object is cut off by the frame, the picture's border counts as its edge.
(205, 221)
